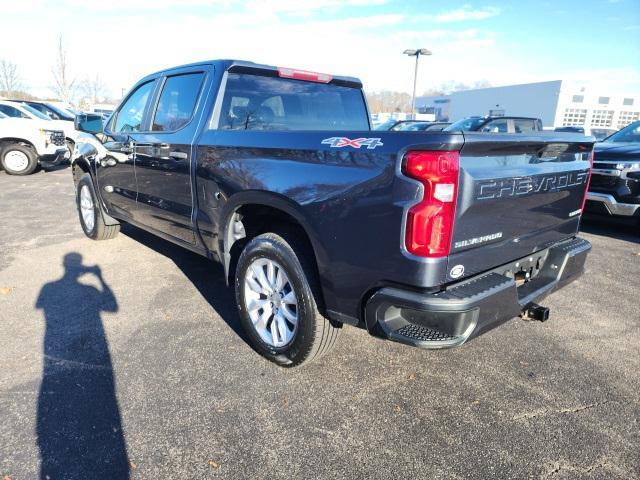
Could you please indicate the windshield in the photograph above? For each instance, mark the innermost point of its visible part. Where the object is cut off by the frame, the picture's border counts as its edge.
(436, 126)
(629, 134)
(403, 126)
(411, 126)
(62, 112)
(386, 125)
(34, 112)
(2, 115)
(465, 125)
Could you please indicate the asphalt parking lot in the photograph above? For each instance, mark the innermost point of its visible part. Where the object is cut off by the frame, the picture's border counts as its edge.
(124, 359)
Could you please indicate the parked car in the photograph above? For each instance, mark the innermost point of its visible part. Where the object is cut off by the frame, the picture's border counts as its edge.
(496, 125)
(24, 111)
(105, 112)
(615, 184)
(386, 125)
(599, 133)
(570, 129)
(54, 112)
(25, 145)
(418, 126)
(428, 240)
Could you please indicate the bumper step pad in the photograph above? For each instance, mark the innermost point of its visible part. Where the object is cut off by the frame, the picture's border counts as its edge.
(424, 334)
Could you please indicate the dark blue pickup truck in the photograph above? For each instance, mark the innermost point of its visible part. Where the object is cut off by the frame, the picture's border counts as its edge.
(425, 238)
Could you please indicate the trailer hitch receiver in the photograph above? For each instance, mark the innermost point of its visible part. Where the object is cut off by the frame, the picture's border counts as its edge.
(533, 311)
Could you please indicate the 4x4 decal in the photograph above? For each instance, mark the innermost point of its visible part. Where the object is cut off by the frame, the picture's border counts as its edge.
(339, 142)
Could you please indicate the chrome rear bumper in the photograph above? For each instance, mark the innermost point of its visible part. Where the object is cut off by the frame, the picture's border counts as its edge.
(612, 205)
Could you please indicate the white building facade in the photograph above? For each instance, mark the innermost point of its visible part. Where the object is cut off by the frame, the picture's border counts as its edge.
(557, 103)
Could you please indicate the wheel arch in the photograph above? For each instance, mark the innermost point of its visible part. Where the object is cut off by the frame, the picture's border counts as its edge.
(251, 213)
(9, 140)
(79, 167)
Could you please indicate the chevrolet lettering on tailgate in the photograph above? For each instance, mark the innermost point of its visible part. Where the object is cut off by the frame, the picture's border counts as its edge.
(516, 186)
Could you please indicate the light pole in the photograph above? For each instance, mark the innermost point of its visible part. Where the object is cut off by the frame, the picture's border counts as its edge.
(415, 53)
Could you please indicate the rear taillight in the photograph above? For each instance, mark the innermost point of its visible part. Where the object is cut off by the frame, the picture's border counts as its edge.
(430, 222)
(304, 75)
(586, 190)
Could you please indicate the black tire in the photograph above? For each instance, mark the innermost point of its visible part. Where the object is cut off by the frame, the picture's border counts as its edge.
(315, 334)
(100, 230)
(24, 151)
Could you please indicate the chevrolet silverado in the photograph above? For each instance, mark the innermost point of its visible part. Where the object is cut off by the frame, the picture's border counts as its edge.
(424, 238)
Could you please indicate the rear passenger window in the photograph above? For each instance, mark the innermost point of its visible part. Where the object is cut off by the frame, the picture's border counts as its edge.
(253, 102)
(524, 126)
(496, 126)
(177, 102)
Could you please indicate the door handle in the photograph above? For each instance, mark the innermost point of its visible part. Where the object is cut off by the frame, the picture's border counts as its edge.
(178, 155)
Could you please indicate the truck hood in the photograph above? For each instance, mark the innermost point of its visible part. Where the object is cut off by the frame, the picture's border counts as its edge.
(24, 126)
(621, 150)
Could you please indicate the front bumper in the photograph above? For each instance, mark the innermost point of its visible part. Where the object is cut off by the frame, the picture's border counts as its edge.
(55, 158)
(471, 307)
(610, 205)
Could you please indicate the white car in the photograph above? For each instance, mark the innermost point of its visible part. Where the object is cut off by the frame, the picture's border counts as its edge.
(16, 109)
(25, 144)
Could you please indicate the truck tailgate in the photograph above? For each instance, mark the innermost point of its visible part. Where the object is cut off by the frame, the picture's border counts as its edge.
(517, 195)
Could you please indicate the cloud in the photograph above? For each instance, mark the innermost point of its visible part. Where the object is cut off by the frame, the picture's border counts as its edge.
(274, 7)
(616, 81)
(463, 14)
(307, 7)
(353, 23)
(124, 45)
(123, 6)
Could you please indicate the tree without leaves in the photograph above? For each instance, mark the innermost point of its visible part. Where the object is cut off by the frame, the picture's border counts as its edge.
(451, 86)
(64, 83)
(94, 89)
(387, 101)
(9, 78)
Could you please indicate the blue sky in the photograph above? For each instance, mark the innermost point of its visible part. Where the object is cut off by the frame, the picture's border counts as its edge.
(593, 41)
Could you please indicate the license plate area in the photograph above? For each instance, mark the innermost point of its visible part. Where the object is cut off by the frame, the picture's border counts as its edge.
(524, 269)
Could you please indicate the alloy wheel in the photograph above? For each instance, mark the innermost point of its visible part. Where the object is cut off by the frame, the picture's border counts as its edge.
(271, 302)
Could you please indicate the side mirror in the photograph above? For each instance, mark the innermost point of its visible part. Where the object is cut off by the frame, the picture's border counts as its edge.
(89, 123)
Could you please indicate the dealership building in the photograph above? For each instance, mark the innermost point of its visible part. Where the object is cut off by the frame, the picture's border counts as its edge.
(557, 103)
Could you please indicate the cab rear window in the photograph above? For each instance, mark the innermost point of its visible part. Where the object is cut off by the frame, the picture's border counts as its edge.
(253, 102)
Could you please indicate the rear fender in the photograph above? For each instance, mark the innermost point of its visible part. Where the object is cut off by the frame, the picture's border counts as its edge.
(268, 199)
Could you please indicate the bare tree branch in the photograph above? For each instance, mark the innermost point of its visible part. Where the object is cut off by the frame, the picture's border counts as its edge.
(94, 89)
(9, 78)
(387, 101)
(64, 82)
(451, 86)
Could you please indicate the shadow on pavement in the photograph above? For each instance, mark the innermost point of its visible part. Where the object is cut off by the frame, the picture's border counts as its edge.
(207, 276)
(78, 424)
(55, 168)
(622, 229)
